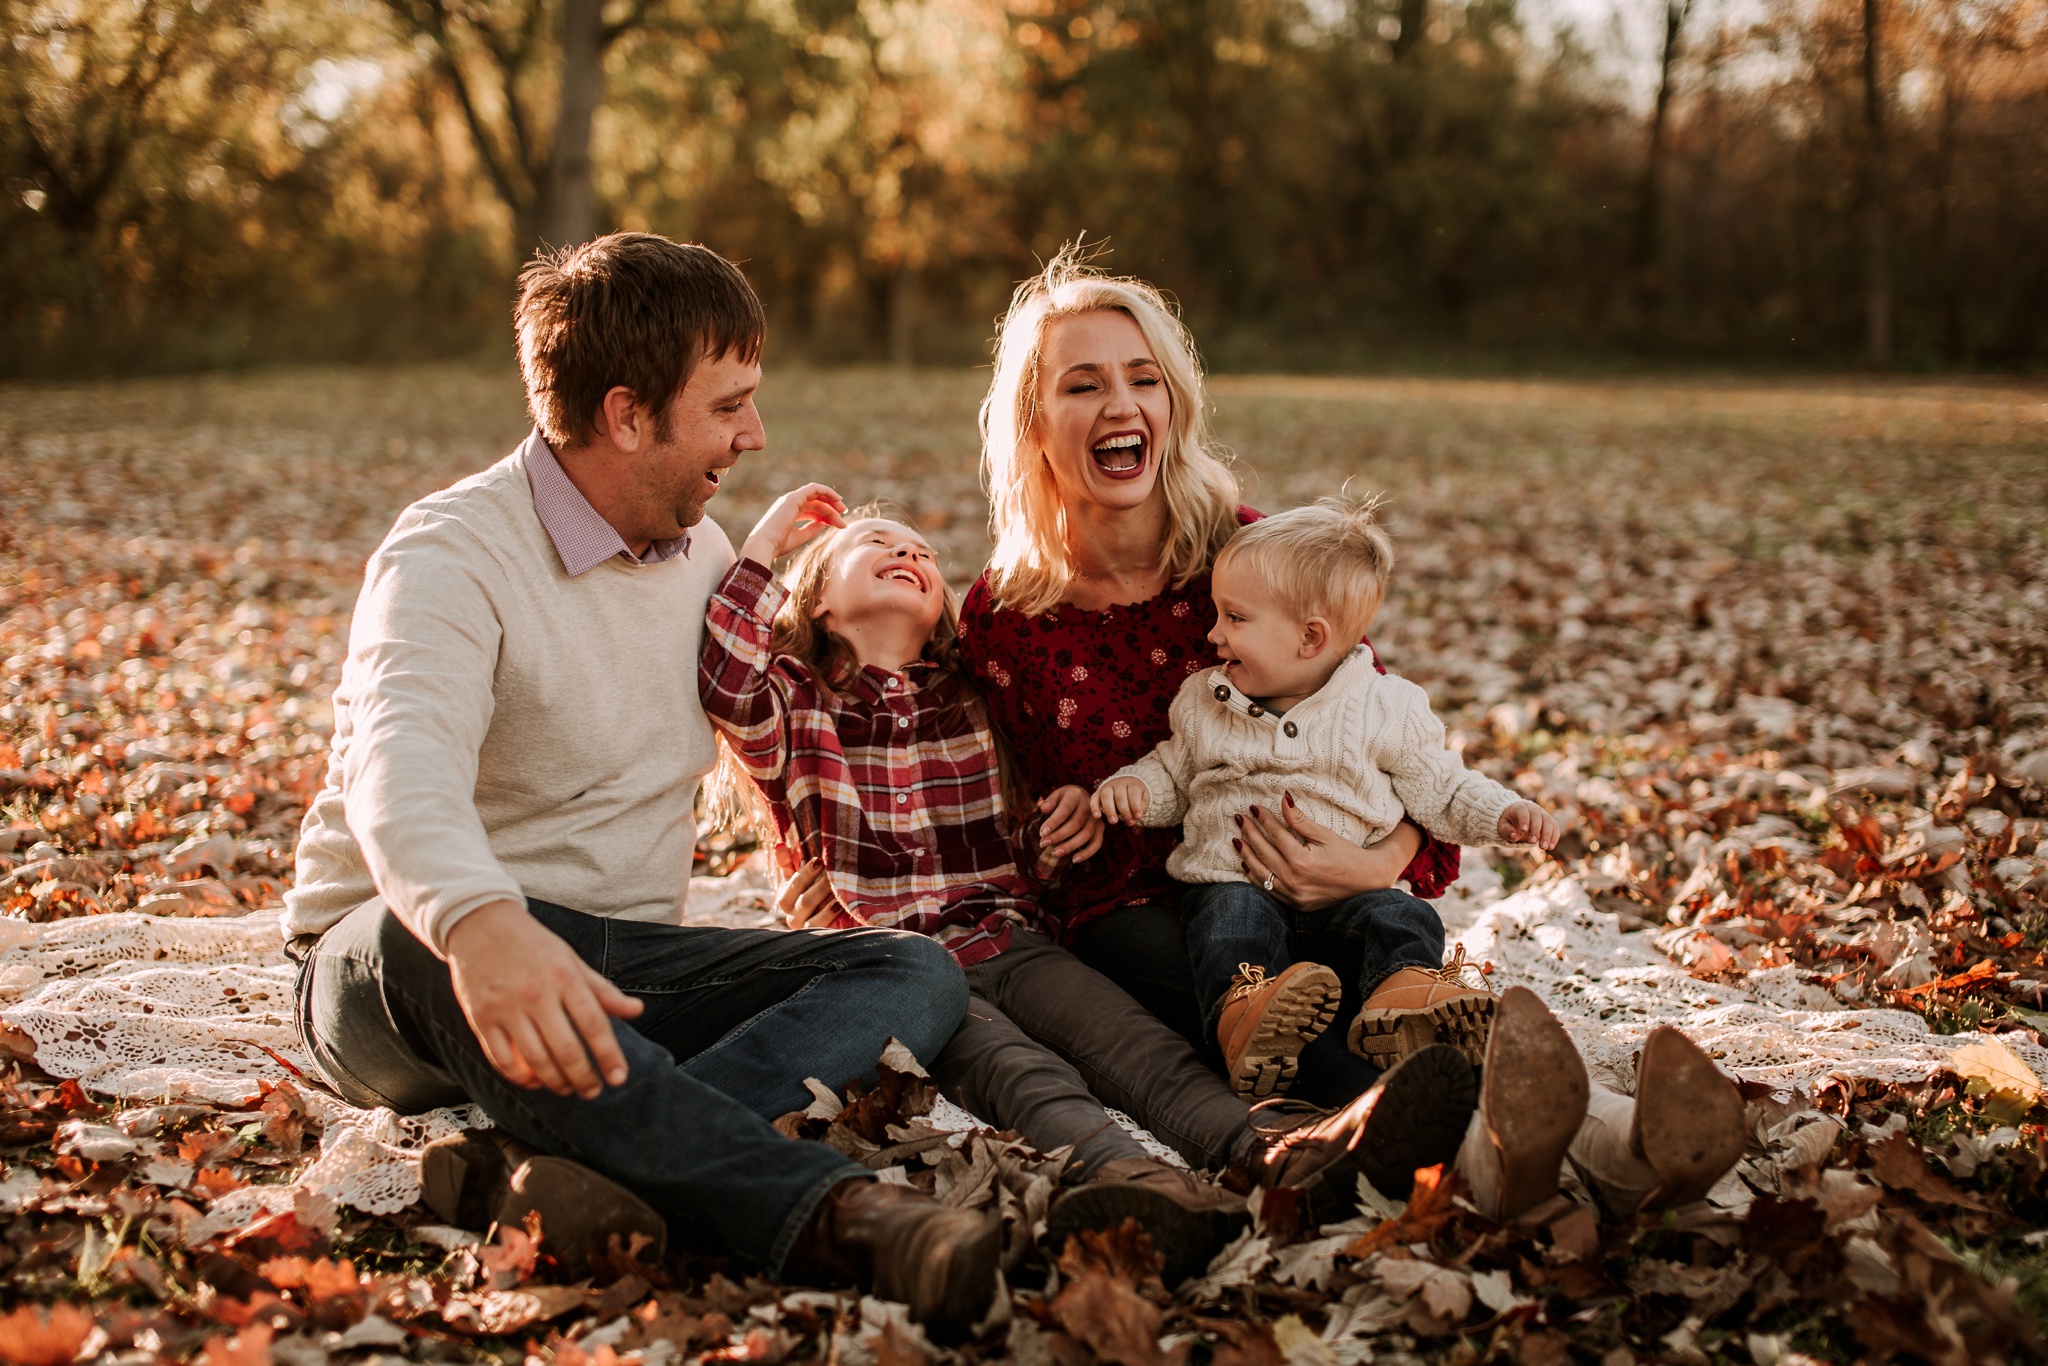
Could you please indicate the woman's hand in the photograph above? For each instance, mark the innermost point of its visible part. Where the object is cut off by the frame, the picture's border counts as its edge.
(807, 901)
(791, 520)
(1309, 866)
(1068, 827)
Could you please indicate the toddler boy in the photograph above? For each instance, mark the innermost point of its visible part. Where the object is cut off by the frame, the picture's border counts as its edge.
(1298, 714)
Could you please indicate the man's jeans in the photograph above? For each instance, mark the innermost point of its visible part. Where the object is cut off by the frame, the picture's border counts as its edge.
(1365, 939)
(1048, 1041)
(734, 1020)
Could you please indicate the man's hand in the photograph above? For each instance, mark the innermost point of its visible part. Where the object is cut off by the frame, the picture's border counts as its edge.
(791, 520)
(1528, 823)
(1122, 801)
(807, 901)
(1068, 828)
(543, 1016)
(1311, 867)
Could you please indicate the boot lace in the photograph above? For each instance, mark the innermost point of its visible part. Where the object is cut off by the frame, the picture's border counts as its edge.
(1247, 980)
(1453, 972)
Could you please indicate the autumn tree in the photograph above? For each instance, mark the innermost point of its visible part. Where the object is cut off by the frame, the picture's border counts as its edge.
(528, 76)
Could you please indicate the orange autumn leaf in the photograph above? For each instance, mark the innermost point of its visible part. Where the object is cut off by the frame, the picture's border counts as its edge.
(31, 1337)
(250, 1347)
(217, 1181)
(204, 1146)
(511, 1259)
(322, 1279)
(72, 1097)
(284, 1229)
(1429, 1208)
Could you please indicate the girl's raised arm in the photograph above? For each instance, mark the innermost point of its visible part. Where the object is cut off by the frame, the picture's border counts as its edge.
(736, 676)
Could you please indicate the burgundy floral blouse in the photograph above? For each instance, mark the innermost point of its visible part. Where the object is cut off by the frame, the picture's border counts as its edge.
(1079, 694)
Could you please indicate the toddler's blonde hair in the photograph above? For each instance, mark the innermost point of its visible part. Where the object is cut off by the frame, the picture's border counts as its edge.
(1331, 559)
(1029, 570)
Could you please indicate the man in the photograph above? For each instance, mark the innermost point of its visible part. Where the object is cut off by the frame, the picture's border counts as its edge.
(491, 884)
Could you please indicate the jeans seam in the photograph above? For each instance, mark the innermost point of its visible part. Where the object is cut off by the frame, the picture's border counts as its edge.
(733, 1034)
(702, 983)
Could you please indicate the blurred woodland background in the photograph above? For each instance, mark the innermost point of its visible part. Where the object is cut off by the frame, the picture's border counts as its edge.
(1325, 183)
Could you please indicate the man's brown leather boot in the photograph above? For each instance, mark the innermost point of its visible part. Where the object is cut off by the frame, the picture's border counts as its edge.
(1190, 1220)
(902, 1245)
(485, 1176)
(1414, 1116)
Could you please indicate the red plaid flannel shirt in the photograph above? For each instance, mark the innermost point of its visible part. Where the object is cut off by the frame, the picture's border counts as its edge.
(892, 783)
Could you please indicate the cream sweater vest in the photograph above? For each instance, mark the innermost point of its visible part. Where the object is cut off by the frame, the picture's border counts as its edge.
(502, 730)
(1361, 753)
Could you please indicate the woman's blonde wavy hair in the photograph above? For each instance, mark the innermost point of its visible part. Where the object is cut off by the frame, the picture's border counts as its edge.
(1031, 570)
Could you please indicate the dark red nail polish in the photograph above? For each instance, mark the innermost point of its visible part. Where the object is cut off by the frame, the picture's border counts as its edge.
(1238, 845)
(1287, 797)
(1255, 811)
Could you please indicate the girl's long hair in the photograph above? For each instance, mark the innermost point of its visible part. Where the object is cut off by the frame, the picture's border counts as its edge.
(1031, 570)
(729, 793)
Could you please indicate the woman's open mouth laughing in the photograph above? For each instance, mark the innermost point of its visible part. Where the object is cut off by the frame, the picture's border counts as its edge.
(1120, 455)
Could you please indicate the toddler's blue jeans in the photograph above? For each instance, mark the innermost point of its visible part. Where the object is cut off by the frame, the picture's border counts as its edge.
(1365, 939)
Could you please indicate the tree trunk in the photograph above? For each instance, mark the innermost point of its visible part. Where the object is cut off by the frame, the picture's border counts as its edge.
(565, 215)
(1414, 17)
(1876, 226)
(903, 318)
(1649, 254)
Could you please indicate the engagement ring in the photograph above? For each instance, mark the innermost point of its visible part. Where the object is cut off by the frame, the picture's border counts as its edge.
(1269, 884)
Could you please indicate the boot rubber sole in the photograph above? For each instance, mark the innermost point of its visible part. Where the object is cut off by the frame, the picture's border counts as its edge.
(1424, 1107)
(1385, 1036)
(1188, 1239)
(1534, 1100)
(1688, 1119)
(1301, 1009)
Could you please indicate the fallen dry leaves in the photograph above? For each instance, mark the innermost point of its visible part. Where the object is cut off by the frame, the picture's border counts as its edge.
(1778, 649)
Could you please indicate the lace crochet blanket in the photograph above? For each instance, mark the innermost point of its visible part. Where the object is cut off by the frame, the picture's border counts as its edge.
(148, 1008)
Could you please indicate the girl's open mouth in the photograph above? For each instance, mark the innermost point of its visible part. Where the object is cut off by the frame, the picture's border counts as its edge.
(1120, 456)
(903, 573)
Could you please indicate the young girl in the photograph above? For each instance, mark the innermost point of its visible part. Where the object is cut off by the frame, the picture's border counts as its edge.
(838, 695)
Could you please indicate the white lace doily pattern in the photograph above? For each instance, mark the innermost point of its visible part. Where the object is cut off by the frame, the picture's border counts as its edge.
(1611, 989)
(151, 1008)
(148, 1008)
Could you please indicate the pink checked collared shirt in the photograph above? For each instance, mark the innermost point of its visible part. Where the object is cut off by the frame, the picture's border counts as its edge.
(582, 537)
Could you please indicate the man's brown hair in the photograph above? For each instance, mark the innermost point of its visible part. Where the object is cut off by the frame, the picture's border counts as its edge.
(632, 309)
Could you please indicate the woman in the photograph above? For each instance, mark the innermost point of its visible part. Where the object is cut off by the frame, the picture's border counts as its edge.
(1108, 506)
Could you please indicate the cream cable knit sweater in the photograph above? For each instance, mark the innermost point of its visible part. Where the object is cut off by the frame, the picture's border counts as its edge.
(1358, 755)
(504, 730)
